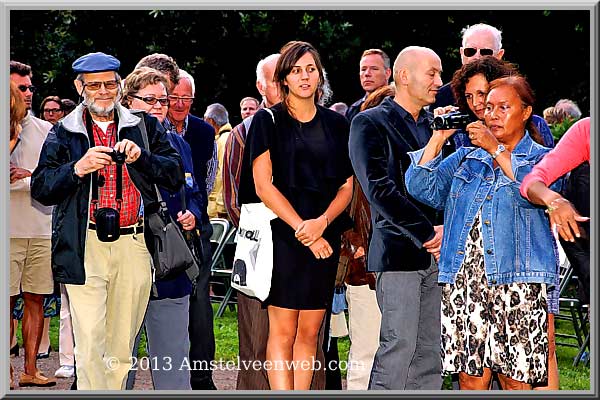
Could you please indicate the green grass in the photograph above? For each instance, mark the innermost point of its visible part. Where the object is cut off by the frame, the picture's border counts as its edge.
(225, 328)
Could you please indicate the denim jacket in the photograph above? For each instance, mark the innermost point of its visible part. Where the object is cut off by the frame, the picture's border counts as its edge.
(518, 245)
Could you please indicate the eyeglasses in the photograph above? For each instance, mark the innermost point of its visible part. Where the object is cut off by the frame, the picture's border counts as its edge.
(184, 99)
(109, 85)
(471, 51)
(23, 88)
(151, 100)
(52, 110)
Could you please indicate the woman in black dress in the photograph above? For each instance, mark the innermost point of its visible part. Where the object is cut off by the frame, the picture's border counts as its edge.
(301, 170)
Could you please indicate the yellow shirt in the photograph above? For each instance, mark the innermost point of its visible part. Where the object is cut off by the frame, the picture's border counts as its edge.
(216, 205)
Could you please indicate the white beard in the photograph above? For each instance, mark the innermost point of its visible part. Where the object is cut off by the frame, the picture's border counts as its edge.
(100, 111)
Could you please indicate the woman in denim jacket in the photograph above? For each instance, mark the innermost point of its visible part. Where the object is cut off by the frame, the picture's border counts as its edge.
(498, 253)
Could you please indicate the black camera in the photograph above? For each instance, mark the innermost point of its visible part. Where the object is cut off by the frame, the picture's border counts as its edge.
(452, 120)
(117, 156)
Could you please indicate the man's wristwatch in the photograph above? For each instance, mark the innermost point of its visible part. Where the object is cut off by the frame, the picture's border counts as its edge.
(499, 150)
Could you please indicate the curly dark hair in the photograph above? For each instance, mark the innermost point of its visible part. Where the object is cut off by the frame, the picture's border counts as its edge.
(489, 66)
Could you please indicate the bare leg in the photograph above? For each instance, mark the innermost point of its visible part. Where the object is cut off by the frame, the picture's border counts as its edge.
(553, 378)
(511, 384)
(33, 325)
(305, 347)
(45, 341)
(473, 382)
(283, 324)
(13, 301)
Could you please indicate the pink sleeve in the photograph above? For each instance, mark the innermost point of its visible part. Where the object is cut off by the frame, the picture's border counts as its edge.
(572, 149)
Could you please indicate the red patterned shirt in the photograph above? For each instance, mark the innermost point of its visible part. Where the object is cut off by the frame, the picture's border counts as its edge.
(130, 206)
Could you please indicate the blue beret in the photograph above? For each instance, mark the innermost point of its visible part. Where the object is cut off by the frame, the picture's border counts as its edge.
(95, 62)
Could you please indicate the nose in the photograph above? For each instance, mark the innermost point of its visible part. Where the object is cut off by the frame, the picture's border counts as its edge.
(304, 74)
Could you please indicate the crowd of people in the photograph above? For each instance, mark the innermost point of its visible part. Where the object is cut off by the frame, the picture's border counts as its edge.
(440, 239)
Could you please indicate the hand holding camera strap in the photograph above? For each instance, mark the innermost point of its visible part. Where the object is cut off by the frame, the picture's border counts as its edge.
(194, 271)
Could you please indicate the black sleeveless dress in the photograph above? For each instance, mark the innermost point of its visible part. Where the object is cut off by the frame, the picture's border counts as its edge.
(310, 162)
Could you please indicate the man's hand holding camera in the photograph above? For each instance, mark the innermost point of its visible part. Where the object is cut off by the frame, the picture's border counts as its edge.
(98, 157)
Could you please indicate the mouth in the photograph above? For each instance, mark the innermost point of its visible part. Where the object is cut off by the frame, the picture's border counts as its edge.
(494, 127)
(304, 87)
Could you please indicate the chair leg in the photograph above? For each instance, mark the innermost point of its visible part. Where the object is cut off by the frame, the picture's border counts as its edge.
(582, 350)
(223, 304)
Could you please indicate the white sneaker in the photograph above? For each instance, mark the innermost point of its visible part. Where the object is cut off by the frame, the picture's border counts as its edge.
(65, 371)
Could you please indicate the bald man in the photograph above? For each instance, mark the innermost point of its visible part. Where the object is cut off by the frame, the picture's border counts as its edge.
(406, 241)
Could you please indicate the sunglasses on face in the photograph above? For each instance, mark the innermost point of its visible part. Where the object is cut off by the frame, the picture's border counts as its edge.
(151, 100)
(23, 88)
(471, 51)
(109, 85)
(184, 99)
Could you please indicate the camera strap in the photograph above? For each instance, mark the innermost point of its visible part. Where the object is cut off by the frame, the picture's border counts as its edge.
(119, 195)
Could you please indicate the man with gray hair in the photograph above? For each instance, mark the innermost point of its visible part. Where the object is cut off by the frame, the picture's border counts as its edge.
(97, 171)
(201, 138)
(216, 115)
(405, 242)
(568, 108)
(477, 41)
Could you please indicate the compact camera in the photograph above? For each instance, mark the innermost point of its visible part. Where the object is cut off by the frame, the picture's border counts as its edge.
(107, 224)
(118, 157)
(452, 120)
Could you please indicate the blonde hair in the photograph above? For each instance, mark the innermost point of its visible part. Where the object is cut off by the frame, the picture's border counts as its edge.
(139, 79)
(18, 110)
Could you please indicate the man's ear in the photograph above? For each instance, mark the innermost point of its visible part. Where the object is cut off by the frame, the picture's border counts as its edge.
(260, 88)
(78, 86)
(388, 73)
(500, 54)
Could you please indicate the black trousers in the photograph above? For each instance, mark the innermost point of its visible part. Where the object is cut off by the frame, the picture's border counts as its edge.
(202, 337)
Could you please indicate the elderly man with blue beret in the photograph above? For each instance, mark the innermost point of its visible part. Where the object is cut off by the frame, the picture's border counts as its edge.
(96, 170)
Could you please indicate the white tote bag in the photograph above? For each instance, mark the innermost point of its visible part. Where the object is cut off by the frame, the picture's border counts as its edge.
(253, 261)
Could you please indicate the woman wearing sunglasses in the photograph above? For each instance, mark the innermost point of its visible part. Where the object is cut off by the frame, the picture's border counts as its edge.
(167, 318)
(51, 109)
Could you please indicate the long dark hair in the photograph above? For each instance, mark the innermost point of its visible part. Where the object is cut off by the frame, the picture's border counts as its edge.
(525, 93)
(291, 52)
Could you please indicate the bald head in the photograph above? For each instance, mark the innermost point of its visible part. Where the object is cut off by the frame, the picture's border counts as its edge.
(412, 56)
(417, 77)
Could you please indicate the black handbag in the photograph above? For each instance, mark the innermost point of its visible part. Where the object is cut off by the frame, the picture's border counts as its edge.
(171, 254)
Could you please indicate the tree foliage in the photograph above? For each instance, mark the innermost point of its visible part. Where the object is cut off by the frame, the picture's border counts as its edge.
(220, 48)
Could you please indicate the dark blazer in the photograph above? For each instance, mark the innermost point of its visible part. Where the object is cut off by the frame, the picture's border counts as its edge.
(354, 108)
(201, 138)
(379, 142)
(444, 97)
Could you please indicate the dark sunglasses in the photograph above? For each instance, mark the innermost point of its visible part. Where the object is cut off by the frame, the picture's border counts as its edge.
(164, 101)
(471, 51)
(109, 85)
(23, 88)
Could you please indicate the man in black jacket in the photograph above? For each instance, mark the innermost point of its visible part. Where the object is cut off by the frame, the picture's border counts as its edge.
(374, 73)
(405, 244)
(108, 281)
(201, 138)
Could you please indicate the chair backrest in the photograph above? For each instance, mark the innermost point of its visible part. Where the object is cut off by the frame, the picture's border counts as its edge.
(220, 228)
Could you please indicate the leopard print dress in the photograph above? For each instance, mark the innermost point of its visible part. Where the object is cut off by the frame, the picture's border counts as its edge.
(502, 327)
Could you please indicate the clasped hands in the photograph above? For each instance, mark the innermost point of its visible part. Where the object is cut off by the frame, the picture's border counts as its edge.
(98, 157)
(310, 232)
